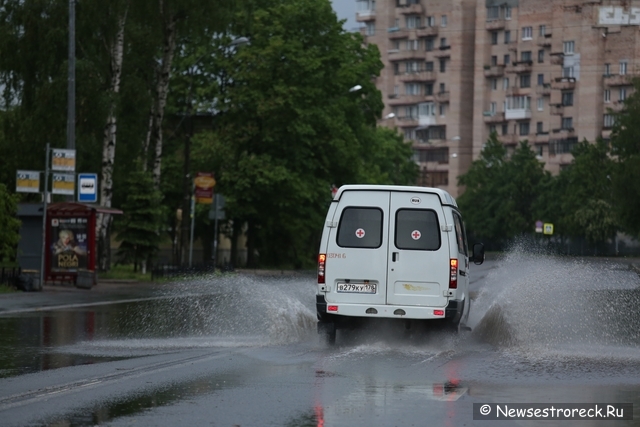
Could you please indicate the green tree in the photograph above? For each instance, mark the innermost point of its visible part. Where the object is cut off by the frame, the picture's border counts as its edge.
(9, 225)
(139, 228)
(587, 199)
(625, 141)
(295, 128)
(502, 192)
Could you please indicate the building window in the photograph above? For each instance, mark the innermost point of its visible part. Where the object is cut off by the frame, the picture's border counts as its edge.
(507, 59)
(540, 79)
(413, 44)
(568, 47)
(492, 128)
(525, 56)
(429, 43)
(567, 72)
(428, 66)
(623, 94)
(507, 37)
(443, 109)
(443, 21)
(431, 21)
(493, 13)
(507, 12)
(524, 128)
(540, 102)
(505, 129)
(607, 95)
(567, 123)
(492, 108)
(623, 68)
(543, 30)
(541, 55)
(396, 90)
(505, 83)
(609, 121)
(561, 146)
(409, 134)
(607, 69)
(525, 80)
(567, 98)
(442, 88)
(413, 21)
(527, 33)
(518, 103)
(494, 84)
(494, 37)
(539, 150)
(443, 65)
(411, 89)
(411, 112)
(371, 28)
(428, 89)
(539, 128)
(494, 60)
(427, 109)
(443, 42)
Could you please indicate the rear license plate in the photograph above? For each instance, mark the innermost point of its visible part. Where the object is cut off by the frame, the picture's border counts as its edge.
(358, 288)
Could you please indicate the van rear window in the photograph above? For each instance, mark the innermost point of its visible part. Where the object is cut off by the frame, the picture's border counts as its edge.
(417, 229)
(360, 228)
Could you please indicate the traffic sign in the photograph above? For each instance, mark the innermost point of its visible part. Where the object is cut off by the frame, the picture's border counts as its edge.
(88, 187)
(548, 229)
(539, 226)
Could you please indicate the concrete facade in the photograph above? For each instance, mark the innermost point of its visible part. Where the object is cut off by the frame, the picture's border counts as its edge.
(544, 71)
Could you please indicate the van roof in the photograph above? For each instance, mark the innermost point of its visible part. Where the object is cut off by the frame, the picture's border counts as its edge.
(445, 197)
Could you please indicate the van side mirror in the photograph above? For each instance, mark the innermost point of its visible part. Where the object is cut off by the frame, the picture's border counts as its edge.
(477, 255)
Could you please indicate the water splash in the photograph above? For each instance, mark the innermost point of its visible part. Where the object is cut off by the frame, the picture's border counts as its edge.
(544, 304)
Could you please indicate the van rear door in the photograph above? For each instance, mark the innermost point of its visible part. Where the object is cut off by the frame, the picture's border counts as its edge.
(357, 248)
(418, 263)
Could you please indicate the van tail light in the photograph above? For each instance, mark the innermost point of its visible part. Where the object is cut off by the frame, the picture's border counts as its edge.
(453, 278)
(322, 259)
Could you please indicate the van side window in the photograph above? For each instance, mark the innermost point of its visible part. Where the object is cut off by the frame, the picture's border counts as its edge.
(417, 229)
(360, 228)
(460, 234)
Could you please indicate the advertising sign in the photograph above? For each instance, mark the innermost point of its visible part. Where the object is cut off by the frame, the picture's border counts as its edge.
(204, 183)
(63, 183)
(63, 160)
(68, 243)
(27, 182)
(88, 187)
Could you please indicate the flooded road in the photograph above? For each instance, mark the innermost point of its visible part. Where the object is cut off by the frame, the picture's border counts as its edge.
(240, 350)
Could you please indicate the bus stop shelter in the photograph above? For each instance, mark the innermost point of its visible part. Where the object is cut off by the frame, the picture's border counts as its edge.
(71, 242)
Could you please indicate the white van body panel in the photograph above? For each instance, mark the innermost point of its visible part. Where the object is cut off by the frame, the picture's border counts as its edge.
(393, 244)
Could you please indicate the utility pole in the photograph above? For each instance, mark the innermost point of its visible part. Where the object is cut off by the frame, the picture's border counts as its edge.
(71, 79)
(44, 217)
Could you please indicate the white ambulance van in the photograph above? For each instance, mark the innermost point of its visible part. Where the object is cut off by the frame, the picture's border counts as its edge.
(393, 252)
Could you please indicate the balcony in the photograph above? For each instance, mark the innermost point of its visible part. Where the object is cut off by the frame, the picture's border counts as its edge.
(407, 122)
(403, 55)
(495, 24)
(366, 15)
(520, 67)
(405, 99)
(557, 109)
(427, 32)
(518, 91)
(442, 97)
(412, 9)
(492, 117)
(542, 137)
(563, 83)
(557, 59)
(544, 41)
(420, 76)
(511, 139)
(617, 80)
(397, 33)
(442, 52)
(517, 114)
(493, 70)
(563, 133)
(512, 46)
(543, 90)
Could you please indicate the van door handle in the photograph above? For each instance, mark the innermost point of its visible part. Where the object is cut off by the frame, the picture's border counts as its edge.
(395, 256)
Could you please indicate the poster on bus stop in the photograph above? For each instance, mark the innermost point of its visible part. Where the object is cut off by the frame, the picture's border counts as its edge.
(68, 243)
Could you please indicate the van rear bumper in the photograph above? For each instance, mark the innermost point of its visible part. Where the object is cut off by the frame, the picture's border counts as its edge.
(452, 311)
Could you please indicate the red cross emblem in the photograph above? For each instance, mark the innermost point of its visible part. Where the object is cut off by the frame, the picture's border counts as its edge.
(359, 233)
(415, 235)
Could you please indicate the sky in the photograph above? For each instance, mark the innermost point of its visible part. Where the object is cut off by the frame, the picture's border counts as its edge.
(346, 9)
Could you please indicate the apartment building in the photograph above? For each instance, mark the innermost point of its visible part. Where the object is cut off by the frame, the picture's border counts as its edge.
(546, 71)
(427, 82)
